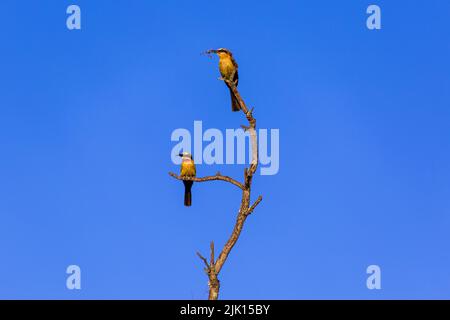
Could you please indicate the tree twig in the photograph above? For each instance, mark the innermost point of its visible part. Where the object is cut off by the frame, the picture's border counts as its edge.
(250, 210)
(209, 178)
(203, 259)
(212, 254)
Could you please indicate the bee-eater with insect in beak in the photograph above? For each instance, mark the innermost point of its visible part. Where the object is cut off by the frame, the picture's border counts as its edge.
(187, 170)
(228, 70)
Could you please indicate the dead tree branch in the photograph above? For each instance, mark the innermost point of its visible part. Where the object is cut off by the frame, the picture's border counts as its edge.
(218, 176)
(214, 267)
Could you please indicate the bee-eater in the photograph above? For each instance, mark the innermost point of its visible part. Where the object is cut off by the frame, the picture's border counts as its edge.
(228, 70)
(187, 170)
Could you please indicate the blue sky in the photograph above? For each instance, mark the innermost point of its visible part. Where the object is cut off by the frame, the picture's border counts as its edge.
(85, 124)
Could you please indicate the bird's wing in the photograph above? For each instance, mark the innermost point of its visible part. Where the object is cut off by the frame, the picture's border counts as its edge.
(234, 61)
(236, 74)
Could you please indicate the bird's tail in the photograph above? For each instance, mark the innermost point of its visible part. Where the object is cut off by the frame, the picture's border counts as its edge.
(234, 103)
(187, 193)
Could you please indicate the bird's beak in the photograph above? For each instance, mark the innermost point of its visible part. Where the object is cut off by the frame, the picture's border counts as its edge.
(211, 51)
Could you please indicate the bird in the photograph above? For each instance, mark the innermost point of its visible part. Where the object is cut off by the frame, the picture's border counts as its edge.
(229, 71)
(187, 170)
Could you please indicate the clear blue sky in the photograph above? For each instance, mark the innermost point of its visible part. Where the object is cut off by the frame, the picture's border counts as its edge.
(85, 124)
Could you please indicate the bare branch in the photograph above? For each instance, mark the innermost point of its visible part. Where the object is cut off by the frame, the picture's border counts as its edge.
(254, 205)
(245, 208)
(212, 254)
(235, 233)
(245, 128)
(251, 120)
(209, 178)
(203, 259)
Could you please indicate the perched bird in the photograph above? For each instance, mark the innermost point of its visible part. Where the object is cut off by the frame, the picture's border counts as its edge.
(187, 170)
(229, 70)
